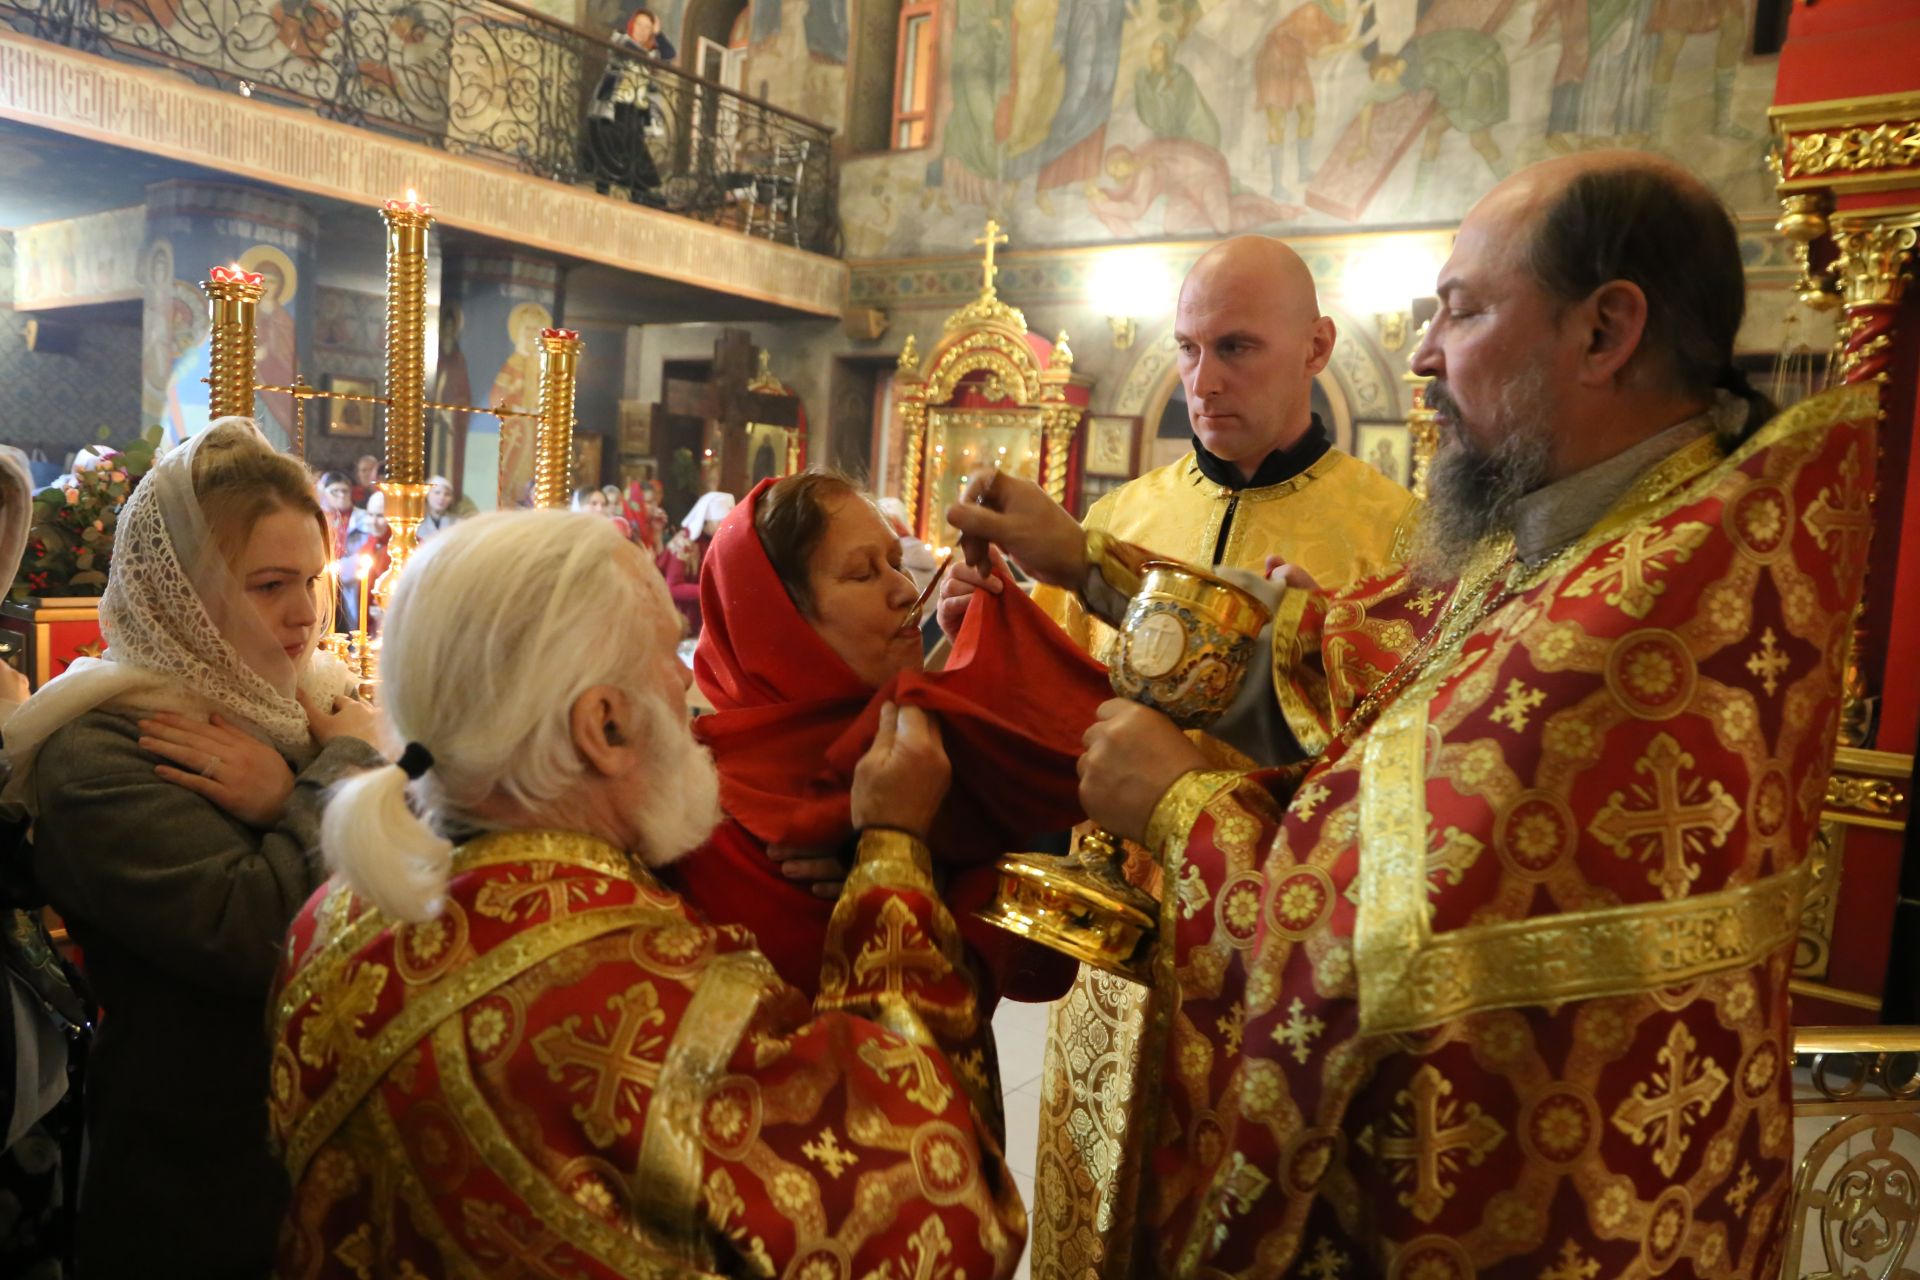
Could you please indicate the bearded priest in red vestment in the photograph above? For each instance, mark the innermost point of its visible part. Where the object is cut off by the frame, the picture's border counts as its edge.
(1491, 979)
(503, 1047)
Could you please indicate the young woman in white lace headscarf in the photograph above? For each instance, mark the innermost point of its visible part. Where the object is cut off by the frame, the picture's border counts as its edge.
(176, 786)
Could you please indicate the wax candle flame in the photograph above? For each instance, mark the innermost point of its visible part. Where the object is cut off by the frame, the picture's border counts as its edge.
(366, 565)
(413, 197)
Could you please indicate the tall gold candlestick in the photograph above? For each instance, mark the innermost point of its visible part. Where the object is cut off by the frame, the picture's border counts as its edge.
(553, 446)
(232, 295)
(407, 223)
(406, 470)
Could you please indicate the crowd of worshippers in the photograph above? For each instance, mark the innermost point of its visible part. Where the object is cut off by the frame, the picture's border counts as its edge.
(525, 971)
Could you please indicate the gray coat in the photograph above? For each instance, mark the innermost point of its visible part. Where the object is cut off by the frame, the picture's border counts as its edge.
(180, 909)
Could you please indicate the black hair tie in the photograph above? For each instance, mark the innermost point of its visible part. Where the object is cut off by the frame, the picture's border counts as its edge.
(415, 760)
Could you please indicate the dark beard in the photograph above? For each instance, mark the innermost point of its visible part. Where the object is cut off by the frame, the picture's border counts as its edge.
(1472, 492)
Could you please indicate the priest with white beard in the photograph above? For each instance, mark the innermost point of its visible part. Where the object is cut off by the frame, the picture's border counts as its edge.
(501, 1043)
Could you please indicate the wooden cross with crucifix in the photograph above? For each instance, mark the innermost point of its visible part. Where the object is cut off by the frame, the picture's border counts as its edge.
(727, 405)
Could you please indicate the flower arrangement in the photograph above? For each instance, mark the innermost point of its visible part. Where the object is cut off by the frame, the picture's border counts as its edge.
(70, 544)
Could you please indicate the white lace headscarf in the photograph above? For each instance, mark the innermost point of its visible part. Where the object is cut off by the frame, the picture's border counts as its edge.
(181, 635)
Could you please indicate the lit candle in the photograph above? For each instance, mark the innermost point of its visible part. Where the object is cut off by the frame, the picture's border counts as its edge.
(412, 204)
(366, 584)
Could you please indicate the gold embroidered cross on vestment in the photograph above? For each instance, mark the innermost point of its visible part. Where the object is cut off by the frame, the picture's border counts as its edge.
(1679, 816)
(1428, 1141)
(611, 1069)
(1657, 1111)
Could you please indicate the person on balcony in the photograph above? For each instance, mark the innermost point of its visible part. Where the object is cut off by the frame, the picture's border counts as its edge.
(622, 112)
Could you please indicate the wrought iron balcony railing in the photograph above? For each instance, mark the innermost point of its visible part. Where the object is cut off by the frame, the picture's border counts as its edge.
(491, 79)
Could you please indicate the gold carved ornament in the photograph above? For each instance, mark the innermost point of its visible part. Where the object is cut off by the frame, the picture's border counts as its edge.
(1866, 789)
(1856, 1194)
(1892, 145)
(1803, 220)
(986, 337)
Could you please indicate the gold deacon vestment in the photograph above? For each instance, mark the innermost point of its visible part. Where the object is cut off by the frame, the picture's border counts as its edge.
(1338, 519)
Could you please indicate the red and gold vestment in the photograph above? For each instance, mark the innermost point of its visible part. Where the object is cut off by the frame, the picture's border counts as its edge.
(568, 1072)
(1499, 987)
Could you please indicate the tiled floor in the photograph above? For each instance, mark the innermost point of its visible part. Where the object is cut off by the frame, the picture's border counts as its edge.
(1021, 1032)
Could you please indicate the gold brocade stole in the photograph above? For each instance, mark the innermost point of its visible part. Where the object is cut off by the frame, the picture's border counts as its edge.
(1339, 520)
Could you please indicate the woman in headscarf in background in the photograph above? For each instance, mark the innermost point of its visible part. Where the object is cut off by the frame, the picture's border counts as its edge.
(175, 785)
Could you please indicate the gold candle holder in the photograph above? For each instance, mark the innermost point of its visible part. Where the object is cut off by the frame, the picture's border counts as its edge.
(232, 296)
(553, 445)
(405, 485)
(407, 223)
(1185, 645)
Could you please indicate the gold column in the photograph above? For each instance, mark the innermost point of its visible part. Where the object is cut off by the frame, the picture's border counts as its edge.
(1423, 433)
(1060, 418)
(232, 295)
(911, 397)
(1873, 279)
(405, 485)
(1059, 434)
(1872, 270)
(553, 445)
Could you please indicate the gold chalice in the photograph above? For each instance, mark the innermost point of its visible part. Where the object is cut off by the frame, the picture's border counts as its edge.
(1185, 645)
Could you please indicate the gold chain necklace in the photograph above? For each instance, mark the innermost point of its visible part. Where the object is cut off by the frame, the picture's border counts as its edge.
(1452, 622)
(1453, 625)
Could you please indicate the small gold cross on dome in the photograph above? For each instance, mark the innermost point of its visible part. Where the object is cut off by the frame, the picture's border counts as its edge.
(996, 235)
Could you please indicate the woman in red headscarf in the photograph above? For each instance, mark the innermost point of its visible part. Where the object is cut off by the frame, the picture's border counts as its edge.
(806, 635)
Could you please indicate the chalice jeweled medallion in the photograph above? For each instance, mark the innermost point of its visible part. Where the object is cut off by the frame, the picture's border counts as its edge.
(1184, 647)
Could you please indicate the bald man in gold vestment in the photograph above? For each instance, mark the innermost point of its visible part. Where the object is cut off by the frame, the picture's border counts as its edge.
(1263, 478)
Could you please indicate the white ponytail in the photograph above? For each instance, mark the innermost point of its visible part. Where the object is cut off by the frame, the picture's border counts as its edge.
(496, 629)
(372, 840)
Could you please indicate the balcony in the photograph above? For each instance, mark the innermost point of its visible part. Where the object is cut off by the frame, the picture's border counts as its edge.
(489, 81)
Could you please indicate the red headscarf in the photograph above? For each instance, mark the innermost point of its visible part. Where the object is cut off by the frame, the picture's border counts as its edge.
(791, 720)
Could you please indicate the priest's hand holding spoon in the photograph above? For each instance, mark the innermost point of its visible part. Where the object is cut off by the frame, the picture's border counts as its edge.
(998, 512)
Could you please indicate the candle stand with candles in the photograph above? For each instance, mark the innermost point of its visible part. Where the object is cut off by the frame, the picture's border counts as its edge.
(232, 295)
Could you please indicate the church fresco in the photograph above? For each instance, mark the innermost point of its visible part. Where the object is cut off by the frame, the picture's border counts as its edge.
(1084, 121)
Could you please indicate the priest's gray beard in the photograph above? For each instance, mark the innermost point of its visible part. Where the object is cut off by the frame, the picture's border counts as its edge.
(680, 807)
(1472, 492)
